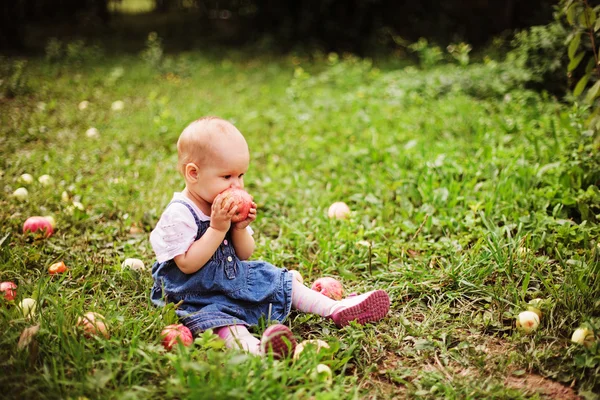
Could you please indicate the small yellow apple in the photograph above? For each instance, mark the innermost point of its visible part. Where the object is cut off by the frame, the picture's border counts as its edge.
(28, 307)
(26, 178)
(322, 374)
(45, 180)
(21, 193)
(583, 336)
(134, 264)
(535, 306)
(317, 344)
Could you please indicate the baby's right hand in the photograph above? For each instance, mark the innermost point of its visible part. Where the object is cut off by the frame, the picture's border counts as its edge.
(221, 213)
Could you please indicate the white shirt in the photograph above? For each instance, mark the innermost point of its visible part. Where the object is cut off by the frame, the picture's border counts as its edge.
(176, 230)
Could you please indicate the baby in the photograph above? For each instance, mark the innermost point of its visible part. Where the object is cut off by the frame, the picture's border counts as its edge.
(202, 255)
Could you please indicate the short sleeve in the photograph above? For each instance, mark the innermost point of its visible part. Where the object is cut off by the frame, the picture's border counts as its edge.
(174, 234)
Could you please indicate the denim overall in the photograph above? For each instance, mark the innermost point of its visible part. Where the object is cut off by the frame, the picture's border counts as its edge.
(225, 291)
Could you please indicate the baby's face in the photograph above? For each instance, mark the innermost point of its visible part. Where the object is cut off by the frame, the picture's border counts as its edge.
(224, 168)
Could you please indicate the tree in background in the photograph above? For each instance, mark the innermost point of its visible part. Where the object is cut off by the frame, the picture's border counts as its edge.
(584, 66)
(16, 14)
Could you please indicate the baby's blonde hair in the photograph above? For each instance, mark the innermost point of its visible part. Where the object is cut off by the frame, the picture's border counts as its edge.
(194, 144)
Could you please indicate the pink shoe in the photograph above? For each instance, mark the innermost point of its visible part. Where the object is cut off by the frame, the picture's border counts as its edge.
(278, 339)
(365, 308)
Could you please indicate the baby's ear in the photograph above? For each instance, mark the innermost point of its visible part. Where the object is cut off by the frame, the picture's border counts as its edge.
(191, 171)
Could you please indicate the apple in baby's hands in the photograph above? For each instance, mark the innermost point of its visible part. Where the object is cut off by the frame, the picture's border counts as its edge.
(171, 334)
(242, 200)
(9, 289)
(330, 287)
(34, 224)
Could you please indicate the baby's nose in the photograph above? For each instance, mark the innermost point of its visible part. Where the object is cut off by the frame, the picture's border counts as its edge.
(238, 184)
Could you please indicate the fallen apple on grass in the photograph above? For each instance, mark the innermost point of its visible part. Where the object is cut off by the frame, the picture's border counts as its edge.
(172, 334)
(93, 324)
(26, 178)
(28, 307)
(583, 336)
(316, 344)
(57, 268)
(338, 210)
(21, 193)
(241, 199)
(322, 374)
(37, 223)
(134, 264)
(528, 321)
(9, 289)
(45, 180)
(329, 287)
(536, 306)
(92, 132)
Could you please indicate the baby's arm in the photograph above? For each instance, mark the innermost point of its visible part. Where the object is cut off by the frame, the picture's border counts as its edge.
(243, 243)
(200, 251)
(203, 249)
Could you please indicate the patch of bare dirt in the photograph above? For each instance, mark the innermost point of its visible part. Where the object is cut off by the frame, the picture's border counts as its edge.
(544, 387)
(380, 384)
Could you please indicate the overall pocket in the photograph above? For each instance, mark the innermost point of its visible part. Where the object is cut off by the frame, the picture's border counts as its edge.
(227, 276)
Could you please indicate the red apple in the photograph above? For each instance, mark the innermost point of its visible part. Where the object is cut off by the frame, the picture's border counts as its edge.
(172, 334)
(243, 201)
(34, 224)
(57, 268)
(330, 287)
(9, 289)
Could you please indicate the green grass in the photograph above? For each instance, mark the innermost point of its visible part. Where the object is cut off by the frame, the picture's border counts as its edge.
(470, 197)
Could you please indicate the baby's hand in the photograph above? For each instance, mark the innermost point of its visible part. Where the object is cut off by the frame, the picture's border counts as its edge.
(251, 217)
(221, 213)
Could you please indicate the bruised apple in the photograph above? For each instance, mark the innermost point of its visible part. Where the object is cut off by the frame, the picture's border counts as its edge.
(528, 321)
(34, 224)
(329, 287)
(242, 200)
(172, 334)
(9, 289)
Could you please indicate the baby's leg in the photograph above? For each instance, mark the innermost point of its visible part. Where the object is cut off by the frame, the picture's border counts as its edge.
(277, 339)
(310, 301)
(238, 337)
(368, 307)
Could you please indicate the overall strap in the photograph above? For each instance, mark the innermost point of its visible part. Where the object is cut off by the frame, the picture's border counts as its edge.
(189, 207)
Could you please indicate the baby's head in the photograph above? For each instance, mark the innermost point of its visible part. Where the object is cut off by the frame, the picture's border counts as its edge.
(214, 154)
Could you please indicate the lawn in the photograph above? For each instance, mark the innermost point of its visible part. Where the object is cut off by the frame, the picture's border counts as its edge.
(470, 197)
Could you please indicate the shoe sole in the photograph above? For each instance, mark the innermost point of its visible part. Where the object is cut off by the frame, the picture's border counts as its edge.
(372, 309)
(279, 340)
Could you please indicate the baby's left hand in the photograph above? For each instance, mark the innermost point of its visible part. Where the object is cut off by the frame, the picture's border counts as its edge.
(251, 217)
